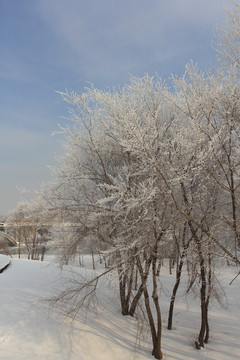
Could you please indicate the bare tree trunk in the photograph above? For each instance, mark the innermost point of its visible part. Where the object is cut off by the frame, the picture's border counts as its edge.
(43, 252)
(149, 315)
(209, 293)
(203, 310)
(200, 341)
(136, 279)
(159, 267)
(234, 217)
(178, 272)
(206, 338)
(93, 260)
(174, 292)
(233, 196)
(122, 289)
(28, 249)
(126, 278)
(123, 297)
(100, 257)
(129, 285)
(34, 245)
(19, 244)
(170, 265)
(157, 352)
(125, 287)
(139, 292)
(156, 330)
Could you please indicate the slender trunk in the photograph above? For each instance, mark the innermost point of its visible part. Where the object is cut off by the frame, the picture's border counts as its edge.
(122, 289)
(156, 331)
(43, 252)
(34, 245)
(202, 294)
(203, 310)
(93, 260)
(125, 287)
(200, 342)
(79, 259)
(100, 257)
(136, 279)
(155, 343)
(209, 293)
(233, 199)
(19, 245)
(159, 267)
(206, 338)
(157, 351)
(174, 292)
(170, 265)
(130, 284)
(234, 217)
(137, 298)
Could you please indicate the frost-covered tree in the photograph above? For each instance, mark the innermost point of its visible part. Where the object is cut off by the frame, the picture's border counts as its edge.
(228, 39)
(149, 169)
(105, 190)
(141, 160)
(29, 224)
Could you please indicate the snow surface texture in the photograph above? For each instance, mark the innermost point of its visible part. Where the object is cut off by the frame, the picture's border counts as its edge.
(28, 330)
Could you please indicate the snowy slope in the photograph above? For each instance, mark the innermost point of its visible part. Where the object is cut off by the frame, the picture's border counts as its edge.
(28, 330)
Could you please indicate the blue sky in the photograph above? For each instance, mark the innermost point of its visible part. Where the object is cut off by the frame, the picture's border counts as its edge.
(50, 45)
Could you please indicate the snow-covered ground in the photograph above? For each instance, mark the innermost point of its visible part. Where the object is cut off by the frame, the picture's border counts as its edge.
(29, 331)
